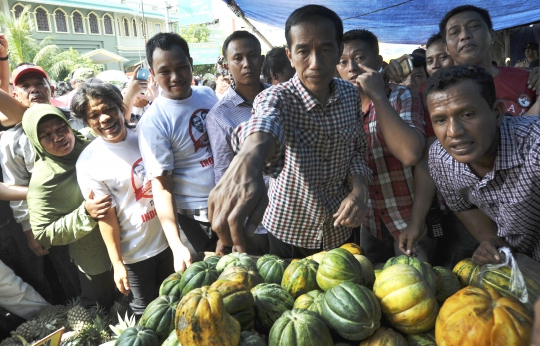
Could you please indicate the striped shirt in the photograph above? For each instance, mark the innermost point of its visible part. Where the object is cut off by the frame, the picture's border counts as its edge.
(391, 193)
(509, 193)
(318, 148)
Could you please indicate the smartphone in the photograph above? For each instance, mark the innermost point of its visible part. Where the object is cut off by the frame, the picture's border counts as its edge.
(142, 74)
(406, 66)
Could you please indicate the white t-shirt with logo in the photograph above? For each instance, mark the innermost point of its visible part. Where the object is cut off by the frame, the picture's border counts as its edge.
(173, 140)
(117, 169)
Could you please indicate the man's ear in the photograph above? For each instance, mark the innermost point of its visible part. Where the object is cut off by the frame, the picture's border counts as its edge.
(191, 63)
(289, 56)
(500, 110)
(445, 46)
(226, 66)
(152, 71)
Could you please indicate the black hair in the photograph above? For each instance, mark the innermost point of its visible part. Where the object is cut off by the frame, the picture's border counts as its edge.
(276, 60)
(364, 36)
(165, 41)
(48, 117)
(434, 38)
(460, 9)
(446, 77)
(210, 83)
(419, 61)
(92, 91)
(62, 88)
(221, 71)
(308, 12)
(239, 35)
(419, 52)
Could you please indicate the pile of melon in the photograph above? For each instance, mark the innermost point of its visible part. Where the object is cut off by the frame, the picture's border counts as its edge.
(333, 298)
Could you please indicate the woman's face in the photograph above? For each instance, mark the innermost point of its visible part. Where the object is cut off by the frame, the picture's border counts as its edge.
(106, 119)
(56, 137)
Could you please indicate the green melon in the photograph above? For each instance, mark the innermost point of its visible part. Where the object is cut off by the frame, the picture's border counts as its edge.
(271, 268)
(199, 274)
(300, 327)
(159, 316)
(271, 301)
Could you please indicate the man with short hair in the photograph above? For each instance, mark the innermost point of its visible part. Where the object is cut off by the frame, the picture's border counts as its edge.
(223, 82)
(418, 75)
(393, 115)
(436, 56)
(176, 154)
(242, 51)
(468, 35)
(305, 133)
(277, 67)
(531, 53)
(485, 164)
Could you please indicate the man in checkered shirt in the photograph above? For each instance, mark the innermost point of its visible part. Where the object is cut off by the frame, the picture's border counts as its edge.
(486, 165)
(394, 128)
(242, 50)
(306, 134)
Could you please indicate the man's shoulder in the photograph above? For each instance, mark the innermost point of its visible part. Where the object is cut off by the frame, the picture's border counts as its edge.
(522, 127)
(204, 92)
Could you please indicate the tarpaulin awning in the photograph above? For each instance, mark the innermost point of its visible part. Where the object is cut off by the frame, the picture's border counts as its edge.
(394, 21)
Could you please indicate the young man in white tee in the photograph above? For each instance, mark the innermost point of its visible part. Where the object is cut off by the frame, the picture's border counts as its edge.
(174, 143)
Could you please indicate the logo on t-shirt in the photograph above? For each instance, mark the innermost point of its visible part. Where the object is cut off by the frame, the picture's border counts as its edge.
(142, 186)
(524, 100)
(197, 129)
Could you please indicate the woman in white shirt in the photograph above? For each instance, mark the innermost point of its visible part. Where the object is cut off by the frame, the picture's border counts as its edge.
(112, 165)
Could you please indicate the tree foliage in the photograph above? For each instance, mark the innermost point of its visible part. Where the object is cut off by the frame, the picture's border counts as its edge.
(195, 33)
(23, 47)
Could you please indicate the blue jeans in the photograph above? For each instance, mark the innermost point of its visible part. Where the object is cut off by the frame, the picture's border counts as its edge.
(145, 277)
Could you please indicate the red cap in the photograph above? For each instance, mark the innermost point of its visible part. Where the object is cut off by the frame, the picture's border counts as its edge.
(24, 69)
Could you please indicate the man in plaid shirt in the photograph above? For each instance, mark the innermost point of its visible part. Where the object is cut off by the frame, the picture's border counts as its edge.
(306, 134)
(394, 128)
(486, 165)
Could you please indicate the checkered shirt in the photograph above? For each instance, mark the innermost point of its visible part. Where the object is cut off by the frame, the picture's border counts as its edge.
(391, 193)
(318, 147)
(509, 193)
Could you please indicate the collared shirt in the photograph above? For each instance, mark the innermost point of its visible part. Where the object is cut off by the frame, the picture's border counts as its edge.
(391, 193)
(509, 193)
(318, 148)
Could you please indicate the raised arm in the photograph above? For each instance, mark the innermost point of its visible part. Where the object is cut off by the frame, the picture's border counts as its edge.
(12, 192)
(4, 64)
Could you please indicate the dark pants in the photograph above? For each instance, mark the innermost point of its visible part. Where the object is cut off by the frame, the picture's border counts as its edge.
(145, 277)
(258, 244)
(66, 271)
(16, 254)
(285, 250)
(457, 242)
(198, 233)
(98, 288)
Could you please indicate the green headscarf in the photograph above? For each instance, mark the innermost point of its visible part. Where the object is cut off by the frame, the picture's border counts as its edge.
(56, 204)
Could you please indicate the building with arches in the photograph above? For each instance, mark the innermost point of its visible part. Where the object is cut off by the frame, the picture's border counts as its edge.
(110, 32)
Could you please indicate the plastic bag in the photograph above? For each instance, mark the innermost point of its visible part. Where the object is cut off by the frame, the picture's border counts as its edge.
(517, 283)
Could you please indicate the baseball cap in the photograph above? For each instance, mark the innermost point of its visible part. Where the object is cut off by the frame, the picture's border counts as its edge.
(25, 69)
(82, 74)
(531, 45)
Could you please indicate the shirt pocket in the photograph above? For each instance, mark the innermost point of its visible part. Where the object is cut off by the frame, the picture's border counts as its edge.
(306, 138)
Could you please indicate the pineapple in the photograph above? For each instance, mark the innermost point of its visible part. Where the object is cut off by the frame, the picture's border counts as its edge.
(123, 324)
(38, 328)
(77, 316)
(92, 334)
(13, 341)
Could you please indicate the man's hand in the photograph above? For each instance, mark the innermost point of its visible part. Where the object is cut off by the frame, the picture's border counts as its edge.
(97, 208)
(371, 82)
(239, 195)
(535, 341)
(534, 80)
(34, 245)
(408, 238)
(3, 46)
(352, 211)
(487, 252)
(152, 90)
(121, 278)
(394, 71)
(182, 258)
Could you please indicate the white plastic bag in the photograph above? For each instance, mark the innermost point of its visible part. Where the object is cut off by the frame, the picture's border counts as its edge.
(518, 287)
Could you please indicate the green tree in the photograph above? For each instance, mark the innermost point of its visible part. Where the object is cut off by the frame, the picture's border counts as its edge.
(195, 33)
(23, 47)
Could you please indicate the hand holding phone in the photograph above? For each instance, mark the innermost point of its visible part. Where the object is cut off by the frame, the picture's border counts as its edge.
(406, 65)
(142, 74)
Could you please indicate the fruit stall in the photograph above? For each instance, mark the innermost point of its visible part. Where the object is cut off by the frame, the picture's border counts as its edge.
(331, 298)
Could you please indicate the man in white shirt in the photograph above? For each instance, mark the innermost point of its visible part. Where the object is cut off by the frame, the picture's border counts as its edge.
(176, 154)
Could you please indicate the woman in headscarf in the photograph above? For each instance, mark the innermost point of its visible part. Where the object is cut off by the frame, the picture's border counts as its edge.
(59, 214)
(112, 165)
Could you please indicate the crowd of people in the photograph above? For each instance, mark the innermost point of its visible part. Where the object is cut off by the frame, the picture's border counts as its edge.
(333, 145)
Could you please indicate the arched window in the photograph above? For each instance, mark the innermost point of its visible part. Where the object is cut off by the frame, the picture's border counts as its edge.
(134, 28)
(42, 20)
(78, 25)
(94, 25)
(17, 10)
(126, 27)
(108, 25)
(144, 28)
(60, 20)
